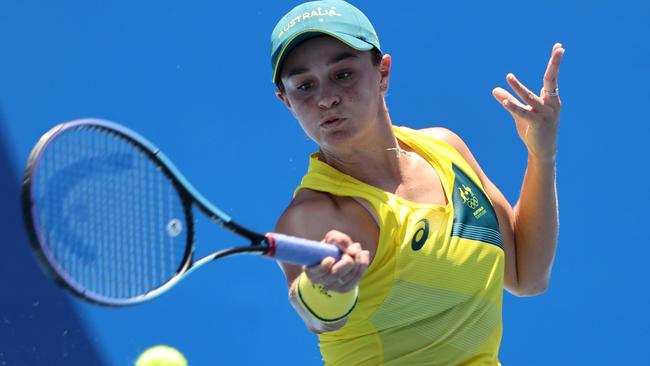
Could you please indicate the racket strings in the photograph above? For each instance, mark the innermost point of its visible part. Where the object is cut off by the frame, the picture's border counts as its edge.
(113, 223)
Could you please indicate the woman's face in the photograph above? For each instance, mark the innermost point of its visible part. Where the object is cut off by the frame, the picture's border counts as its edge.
(334, 91)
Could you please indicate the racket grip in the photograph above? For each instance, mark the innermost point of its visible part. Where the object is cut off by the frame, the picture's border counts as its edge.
(300, 251)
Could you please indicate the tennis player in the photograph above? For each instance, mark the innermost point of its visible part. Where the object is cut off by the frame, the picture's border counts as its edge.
(428, 241)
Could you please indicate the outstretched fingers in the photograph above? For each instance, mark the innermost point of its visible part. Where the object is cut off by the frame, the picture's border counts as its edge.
(510, 103)
(530, 98)
(550, 89)
(536, 116)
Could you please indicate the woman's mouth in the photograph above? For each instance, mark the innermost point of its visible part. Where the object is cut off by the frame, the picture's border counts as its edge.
(332, 122)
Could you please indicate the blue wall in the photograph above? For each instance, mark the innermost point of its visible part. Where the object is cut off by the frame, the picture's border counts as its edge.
(194, 77)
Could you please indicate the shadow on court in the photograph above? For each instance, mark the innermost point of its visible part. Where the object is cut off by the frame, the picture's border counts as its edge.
(38, 323)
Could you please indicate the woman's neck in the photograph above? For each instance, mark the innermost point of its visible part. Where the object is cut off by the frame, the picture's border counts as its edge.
(376, 158)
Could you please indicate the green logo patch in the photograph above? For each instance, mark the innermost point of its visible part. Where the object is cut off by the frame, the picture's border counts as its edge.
(474, 216)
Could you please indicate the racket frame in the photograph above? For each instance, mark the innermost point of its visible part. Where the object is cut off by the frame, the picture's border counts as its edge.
(259, 244)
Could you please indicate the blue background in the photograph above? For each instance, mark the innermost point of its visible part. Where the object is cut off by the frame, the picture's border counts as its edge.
(194, 77)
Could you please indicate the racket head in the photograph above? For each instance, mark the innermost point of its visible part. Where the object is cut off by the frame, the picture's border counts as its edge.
(108, 215)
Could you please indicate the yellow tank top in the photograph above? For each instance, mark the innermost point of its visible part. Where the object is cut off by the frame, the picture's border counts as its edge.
(433, 293)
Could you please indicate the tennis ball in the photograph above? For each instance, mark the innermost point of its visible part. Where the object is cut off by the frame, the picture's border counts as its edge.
(161, 356)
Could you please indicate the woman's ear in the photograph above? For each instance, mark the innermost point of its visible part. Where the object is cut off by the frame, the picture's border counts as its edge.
(384, 72)
(280, 94)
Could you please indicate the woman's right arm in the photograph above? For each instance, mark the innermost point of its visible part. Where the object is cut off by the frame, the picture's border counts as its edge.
(335, 220)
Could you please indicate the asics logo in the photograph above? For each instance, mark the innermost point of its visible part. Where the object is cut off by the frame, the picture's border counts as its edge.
(421, 234)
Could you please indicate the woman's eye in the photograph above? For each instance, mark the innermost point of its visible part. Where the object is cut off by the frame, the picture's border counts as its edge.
(305, 86)
(343, 75)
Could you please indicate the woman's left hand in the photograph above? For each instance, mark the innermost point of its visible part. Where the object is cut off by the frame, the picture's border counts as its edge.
(538, 117)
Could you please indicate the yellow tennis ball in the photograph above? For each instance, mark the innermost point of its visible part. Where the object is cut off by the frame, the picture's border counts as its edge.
(161, 356)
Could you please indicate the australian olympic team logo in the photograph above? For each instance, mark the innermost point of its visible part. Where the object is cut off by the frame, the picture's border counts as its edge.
(471, 200)
(318, 12)
(468, 196)
(421, 234)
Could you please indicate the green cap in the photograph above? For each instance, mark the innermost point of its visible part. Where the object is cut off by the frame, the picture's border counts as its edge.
(335, 18)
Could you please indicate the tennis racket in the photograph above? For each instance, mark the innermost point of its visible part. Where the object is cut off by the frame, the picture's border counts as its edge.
(112, 220)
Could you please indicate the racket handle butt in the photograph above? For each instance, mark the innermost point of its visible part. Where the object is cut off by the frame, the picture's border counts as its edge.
(291, 249)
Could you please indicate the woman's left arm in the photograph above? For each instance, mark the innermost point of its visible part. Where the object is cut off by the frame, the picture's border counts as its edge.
(530, 229)
(536, 212)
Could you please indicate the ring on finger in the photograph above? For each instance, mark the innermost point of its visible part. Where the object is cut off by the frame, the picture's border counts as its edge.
(552, 93)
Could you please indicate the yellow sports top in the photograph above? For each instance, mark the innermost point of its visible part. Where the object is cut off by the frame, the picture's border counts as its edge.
(433, 293)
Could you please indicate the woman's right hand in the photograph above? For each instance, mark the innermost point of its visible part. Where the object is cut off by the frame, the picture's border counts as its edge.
(342, 275)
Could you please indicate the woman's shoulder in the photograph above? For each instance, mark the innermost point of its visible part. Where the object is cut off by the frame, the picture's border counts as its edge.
(311, 214)
(315, 208)
(448, 136)
(440, 133)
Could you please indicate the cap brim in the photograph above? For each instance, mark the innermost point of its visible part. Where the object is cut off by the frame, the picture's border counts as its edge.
(349, 40)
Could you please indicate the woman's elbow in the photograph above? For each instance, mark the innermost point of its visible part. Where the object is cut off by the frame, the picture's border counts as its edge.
(529, 289)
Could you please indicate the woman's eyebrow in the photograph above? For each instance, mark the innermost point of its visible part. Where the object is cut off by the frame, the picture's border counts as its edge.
(296, 71)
